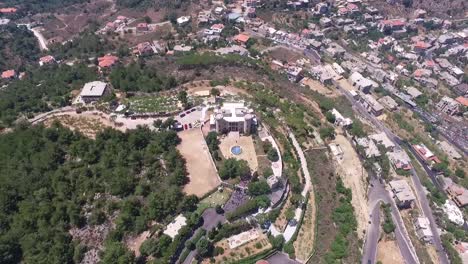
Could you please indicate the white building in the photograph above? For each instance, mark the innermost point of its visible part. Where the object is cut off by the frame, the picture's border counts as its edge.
(173, 228)
(93, 91)
(402, 193)
(340, 120)
(234, 117)
(183, 20)
(423, 230)
(454, 214)
(361, 83)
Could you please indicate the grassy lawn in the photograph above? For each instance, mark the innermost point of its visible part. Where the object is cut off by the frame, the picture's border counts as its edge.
(151, 104)
(216, 198)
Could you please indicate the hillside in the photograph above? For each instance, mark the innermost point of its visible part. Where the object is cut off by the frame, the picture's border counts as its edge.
(406, 8)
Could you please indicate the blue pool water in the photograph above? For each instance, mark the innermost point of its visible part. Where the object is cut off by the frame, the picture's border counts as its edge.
(236, 150)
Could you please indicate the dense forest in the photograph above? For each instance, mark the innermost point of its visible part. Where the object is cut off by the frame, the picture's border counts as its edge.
(86, 45)
(51, 178)
(136, 77)
(18, 46)
(42, 89)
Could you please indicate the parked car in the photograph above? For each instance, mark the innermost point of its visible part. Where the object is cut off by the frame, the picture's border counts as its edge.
(190, 125)
(185, 127)
(182, 115)
(193, 110)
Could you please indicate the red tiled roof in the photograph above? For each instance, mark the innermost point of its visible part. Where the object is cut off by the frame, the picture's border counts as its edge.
(47, 59)
(8, 10)
(242, 38)
(462, 100)
(217, 26)
(421, 45)
(8, 74)
(352, 7)
(107, 61)
(394, 22)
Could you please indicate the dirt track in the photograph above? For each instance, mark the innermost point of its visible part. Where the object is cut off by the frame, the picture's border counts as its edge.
(202, 173)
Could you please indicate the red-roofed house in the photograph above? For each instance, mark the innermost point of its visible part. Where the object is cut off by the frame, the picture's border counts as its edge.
(8, 75)
(421, 46)
(418, 73)
(241, 39)
(352, 7)
(393, 24)
(142, 27)
(107, 61)
(217, 28)
(424, 153)
(144, 48)
(343, 11)
(462, 100)
(8, 10)
(49, 59)
(111, 25)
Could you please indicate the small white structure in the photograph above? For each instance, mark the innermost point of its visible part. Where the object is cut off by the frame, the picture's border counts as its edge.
(340, 120)
(370, 149)
(454, 214)
(242, 238)
(173, 228)
(423, 230)
(93, 91)
(382, 139)
(336, 150)
(183, 20)
(402, 193)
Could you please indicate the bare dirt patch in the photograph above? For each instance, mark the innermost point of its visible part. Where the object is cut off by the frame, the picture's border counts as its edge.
(354, 177)
(284, 54)
(86, 123)
(388, 252)
(320, 88)
(134, 243)
(202, 173)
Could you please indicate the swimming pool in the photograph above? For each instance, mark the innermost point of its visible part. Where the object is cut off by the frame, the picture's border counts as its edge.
(236, 150)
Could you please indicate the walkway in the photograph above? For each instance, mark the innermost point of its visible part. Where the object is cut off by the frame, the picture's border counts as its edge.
(291, 229)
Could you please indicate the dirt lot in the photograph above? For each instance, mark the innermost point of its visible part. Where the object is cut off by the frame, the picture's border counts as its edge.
(346, 85)
(202, 173)
(388, 252)
(86, 123)
(283, 54)
(248, 149)
(73, 20)
(354, 176)
(318, 87)
(200, 87)
(253, 247)
(304, 243)
(134, 243)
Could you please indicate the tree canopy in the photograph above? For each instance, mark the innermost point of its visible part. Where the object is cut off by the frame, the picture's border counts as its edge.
(50, 174)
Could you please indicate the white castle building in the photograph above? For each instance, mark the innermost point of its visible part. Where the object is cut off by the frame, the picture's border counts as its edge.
(233, 117)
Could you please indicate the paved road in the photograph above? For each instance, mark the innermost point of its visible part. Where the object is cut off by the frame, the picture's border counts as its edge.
(378, 194)
(373, 235)
(420, 191)
(210, 221)
(281, 258)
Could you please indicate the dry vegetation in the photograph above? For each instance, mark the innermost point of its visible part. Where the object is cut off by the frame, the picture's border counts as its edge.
(305, 241)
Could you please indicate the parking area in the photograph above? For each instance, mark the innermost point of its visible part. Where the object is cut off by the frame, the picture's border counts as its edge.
(190, 118)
